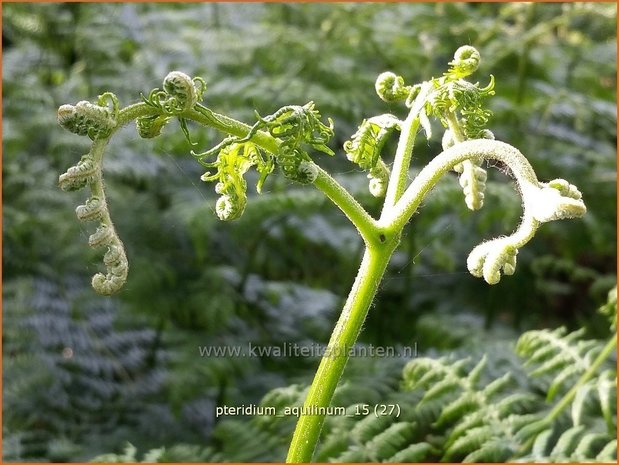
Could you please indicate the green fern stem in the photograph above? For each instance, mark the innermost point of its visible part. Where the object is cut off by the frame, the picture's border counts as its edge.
(404, 209)
(454, 127)
(343, 338)
(402, 159)
(404, 151)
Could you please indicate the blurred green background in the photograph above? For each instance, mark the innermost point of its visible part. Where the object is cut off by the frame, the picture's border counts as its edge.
(83, 374)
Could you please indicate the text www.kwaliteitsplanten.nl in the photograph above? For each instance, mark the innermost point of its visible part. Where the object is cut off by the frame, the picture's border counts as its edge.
(292, 349)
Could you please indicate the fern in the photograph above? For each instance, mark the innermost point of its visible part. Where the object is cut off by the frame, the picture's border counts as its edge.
(556, 357)
(55, 63)
(456, 411)
(489, 408)
(85, 364)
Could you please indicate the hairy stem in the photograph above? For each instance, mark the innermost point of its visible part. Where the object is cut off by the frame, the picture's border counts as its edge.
(454, 127)
(404, 151)
(433, 171)
(365, 224)
(402, 159)
(97, 151)
(343, 338)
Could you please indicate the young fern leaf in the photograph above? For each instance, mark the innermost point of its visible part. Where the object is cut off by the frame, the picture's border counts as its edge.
(391, 88)
(460, 107)
(80, 175)
(95, 120)
(151, 126)
(295, 127)
(558, 357)
(88, 172)
(365, 146)
(543, 202)
(180, 93)
(233, 161)
(454, 95)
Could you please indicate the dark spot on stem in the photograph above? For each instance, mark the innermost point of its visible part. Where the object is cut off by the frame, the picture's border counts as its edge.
(382, 238)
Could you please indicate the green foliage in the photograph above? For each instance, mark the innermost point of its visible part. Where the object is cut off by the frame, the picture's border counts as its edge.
(97, 375)
(461, 410)
(365, 146)
(481, 408)
(558, 106)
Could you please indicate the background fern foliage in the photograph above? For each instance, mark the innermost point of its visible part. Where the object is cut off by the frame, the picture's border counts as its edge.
(500, 373)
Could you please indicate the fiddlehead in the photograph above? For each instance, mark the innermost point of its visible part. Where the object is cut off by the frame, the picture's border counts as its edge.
(472, 176)
(233, 161)
(543, 202)
(78, 176)
(88, 173)
(95, 120)
(151, 126)
(465, 62)
(365, 146)
(391, 88)
(180, 93)
(296, 127)
(459, 105)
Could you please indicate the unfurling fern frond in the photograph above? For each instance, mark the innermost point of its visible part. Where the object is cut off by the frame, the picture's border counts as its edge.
(89, 119)
(296, 128)
(365, 146)
(295, 125)
(459, 97)
(472, 176)
(97, 122)
(151, 126)
(233, 161)
(390, 87)
(465, 62)
(180, 93)
(80, 175)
